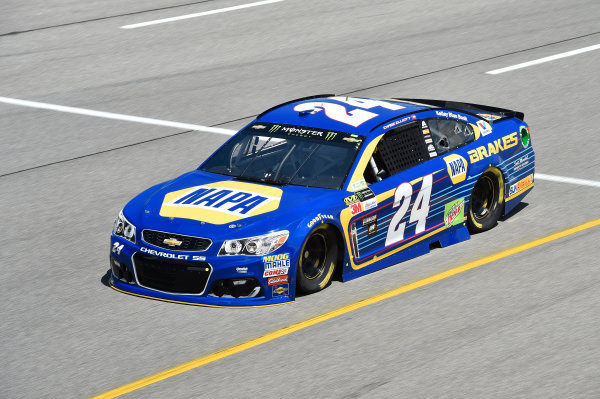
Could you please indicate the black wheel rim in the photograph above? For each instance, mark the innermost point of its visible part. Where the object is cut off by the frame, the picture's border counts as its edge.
(483, 198)
(313, 256)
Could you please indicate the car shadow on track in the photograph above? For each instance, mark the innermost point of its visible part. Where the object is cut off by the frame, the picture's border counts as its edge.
(516, 209)
(105, 278)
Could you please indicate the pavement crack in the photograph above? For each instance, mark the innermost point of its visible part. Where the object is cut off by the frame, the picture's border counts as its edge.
(101, 18)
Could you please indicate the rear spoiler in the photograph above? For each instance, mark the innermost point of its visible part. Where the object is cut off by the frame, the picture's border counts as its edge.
(475, 109)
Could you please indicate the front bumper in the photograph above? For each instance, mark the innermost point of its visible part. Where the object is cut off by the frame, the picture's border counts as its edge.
(196, 278)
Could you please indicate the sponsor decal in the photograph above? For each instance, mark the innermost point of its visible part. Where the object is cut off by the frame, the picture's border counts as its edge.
(330, 136)
(457, 168)
(281, 290)
(295, 131)
(484, 127)
(116, 248)
(449, 114)
(428, 140)
(432, 154)
(424, 125)
(430, 148)
(172, 242)
(370, 204)
(359, 196)
(258, 127)
(369, 220)
(168, 255)
(372, 229)
(520, 186)
(521, 163)
(220, 203)
(357, 208)
(278, 280)
(243, 269)
(276, 272)
(317, 219)
(274, 128)
(358, 185)
(494, 147)
(361, 201)
(276, 265)
(489, 117)
(352, 140)
(454, 212)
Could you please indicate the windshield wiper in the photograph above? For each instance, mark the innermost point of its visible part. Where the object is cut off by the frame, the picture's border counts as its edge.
(263, 180)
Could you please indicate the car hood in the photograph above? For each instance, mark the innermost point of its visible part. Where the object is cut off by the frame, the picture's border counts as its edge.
(198, 200)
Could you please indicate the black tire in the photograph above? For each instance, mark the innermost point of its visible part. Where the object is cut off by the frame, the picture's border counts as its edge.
(487, 201)
(318, 258)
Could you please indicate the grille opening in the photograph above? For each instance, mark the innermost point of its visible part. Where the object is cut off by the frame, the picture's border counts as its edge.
(187, 243)
(120, 271)
(247, 287)
(174, 276)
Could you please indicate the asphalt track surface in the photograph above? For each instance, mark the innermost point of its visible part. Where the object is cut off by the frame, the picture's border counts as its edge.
(523, 326)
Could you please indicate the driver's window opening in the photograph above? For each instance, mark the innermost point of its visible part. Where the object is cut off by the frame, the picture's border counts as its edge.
(449, 134)
(398, 149)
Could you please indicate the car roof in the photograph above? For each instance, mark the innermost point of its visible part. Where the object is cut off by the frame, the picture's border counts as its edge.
(314, 115)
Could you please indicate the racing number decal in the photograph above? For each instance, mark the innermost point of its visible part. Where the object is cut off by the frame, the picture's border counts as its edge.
(418, 213)
(339, 113)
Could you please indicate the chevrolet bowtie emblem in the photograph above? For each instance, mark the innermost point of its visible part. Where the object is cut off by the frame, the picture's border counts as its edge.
(172, 242)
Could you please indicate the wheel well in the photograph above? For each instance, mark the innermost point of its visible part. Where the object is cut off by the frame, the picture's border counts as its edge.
(502, 183)
(337, 274)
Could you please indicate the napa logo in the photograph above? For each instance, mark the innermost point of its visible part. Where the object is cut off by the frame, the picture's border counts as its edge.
(457, 168)
(221, 202)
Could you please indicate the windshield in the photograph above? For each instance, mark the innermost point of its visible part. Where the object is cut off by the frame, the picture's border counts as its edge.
(284, 154)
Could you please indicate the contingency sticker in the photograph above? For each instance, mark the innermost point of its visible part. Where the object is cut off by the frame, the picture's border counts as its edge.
(360, 201)
(454, 212)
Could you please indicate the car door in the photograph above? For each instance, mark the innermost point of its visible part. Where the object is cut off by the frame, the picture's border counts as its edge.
(410, 176)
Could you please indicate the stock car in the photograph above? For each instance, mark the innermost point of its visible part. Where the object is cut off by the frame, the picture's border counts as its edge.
(318, 188)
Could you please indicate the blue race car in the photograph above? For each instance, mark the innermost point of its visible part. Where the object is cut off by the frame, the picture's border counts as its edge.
(317, 188)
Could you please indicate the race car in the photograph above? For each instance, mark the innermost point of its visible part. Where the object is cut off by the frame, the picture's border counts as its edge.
(319, 188)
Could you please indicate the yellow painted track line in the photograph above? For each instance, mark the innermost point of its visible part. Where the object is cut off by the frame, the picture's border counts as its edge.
(163, 375)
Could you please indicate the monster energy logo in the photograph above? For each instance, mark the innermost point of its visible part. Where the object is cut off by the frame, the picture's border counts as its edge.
(274, 128)
(330, 136)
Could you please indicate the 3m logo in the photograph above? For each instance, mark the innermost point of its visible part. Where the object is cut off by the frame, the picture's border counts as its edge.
(330, 136)
(274, 128)
(457, 168)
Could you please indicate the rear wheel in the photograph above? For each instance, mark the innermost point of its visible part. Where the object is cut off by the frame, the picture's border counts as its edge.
(318, 258)
(487, 201)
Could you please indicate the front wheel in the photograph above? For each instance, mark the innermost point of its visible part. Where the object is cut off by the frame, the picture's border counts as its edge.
(318, 258)
(487, 201)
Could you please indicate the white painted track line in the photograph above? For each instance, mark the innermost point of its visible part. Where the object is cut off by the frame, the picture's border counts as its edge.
(200, 14)
(208, 129)
(570, 180)
(545, 59)
(121, 117)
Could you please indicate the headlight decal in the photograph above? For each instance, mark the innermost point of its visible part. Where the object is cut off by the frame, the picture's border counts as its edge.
(124, 228)
(255, 246)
